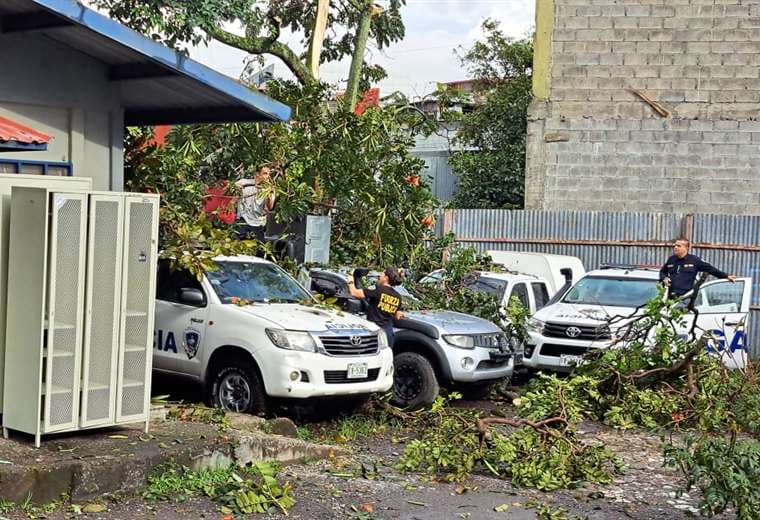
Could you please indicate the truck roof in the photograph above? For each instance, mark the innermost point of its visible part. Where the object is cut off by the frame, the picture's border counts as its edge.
(625, 272)
(509, 276)
(241, 258)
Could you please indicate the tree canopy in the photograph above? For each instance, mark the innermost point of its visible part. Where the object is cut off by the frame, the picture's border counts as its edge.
(490, 162)
(256, 27)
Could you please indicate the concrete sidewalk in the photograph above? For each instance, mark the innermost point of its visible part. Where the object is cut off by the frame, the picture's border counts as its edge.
(87, 464)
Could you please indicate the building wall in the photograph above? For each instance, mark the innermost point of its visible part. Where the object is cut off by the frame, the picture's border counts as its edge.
(67, 95)
(435, 150)
(593, 144)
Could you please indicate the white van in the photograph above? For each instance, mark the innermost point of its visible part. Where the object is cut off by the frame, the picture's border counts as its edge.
(561, 333)
(248, 331)
(555, 269)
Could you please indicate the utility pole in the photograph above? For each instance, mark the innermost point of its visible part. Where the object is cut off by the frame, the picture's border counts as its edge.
(354, 74)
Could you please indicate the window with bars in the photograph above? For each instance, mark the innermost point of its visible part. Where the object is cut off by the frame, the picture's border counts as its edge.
(55, 169)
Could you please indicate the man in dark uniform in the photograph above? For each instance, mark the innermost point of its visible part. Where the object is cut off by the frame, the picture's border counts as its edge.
(680, 270)
(384, 301)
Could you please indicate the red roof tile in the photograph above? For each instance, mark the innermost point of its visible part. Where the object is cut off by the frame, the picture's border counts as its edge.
(12, 131)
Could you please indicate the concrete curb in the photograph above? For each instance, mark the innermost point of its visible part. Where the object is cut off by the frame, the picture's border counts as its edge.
(88, 477)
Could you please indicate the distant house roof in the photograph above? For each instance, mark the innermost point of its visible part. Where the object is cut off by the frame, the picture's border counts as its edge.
(17, 137)
(159, 85)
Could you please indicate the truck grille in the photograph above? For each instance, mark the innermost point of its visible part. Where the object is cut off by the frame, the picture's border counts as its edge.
(357, 345)
(553, 350)
(587, 332)
(337, 377)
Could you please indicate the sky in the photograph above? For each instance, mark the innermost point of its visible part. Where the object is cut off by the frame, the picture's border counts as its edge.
(434, 28)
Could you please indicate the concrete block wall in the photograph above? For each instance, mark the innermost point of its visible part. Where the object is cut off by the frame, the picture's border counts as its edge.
(593, 144)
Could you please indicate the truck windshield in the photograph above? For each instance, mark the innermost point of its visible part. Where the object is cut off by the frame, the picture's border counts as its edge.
(490, 286)
(612, 292)
(257, 282)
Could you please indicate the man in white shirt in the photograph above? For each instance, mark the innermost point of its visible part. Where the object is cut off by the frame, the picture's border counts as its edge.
(253, 206)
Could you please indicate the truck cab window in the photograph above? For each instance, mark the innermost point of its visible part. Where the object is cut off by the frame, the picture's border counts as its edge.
(169, 283)
(540, 294)
(520, 290)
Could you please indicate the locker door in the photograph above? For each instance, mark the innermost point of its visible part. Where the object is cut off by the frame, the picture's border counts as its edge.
(137, 308)
(66, 253)
(101, 329)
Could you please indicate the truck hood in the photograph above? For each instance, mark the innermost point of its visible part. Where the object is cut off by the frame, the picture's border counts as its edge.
(294, 316)
(581, 314)
(450, 322)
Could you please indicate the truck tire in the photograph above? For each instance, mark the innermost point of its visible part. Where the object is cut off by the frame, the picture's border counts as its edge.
(414, 382)
(237, 387)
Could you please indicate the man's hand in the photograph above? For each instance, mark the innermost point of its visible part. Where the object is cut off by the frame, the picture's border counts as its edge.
(399, 315)
(731, 278)
(666, 281)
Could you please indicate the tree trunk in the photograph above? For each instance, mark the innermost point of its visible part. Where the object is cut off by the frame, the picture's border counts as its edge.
(317, 37)
(354, 75)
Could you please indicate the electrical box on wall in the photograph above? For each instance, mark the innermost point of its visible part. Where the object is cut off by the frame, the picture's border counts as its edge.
(81, 279)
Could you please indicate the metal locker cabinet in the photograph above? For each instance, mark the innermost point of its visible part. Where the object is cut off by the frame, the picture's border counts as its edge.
(46, 293)
(137, 308)
(100, 353)
(7, 181)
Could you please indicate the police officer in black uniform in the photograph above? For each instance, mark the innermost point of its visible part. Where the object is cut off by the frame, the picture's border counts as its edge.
(384, 301)
(680, 270)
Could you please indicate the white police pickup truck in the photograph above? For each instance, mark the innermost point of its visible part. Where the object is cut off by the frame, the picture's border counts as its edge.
(577, 322)
(249, 331)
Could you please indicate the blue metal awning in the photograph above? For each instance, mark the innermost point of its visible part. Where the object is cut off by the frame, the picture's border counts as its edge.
(157, 84)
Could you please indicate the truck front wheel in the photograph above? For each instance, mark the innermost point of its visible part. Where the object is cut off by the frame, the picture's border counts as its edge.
(237, 387)
(414, 382)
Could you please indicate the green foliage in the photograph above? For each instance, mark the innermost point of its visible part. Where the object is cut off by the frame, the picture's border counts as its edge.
(727, 472)
(448, 445)
(532, 459)
(545, 459)
(354, 166)
(250, 489)
(546, 396)
(491, 138)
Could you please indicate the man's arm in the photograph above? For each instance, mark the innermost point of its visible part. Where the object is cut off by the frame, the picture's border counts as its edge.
(664, 270)
(360, 293)
(704, 267)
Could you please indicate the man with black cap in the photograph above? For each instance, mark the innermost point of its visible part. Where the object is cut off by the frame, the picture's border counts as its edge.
(680, 270)
(384, 301)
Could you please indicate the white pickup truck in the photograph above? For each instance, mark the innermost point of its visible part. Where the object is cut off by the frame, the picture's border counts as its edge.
(249, 331)
(561, 333)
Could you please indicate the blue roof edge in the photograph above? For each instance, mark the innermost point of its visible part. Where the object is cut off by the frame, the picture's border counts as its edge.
(158, 52)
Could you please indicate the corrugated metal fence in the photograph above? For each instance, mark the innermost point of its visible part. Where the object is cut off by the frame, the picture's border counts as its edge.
(729, 242)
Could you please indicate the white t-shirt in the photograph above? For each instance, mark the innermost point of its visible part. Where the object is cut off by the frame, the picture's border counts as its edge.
(250, 207)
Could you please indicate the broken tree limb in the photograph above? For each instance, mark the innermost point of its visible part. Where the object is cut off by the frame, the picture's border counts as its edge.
(657, 107)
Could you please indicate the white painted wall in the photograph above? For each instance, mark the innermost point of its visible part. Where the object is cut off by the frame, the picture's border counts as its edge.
(66, 94)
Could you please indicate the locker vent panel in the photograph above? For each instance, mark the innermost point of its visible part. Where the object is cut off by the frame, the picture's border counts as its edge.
(102, 340)
(136, 334)
(63, 377)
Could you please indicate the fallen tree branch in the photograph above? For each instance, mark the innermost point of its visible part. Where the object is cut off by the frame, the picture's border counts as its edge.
(540, 426)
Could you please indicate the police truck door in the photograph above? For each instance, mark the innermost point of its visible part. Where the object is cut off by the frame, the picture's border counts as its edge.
(181, 312)
(723, 309)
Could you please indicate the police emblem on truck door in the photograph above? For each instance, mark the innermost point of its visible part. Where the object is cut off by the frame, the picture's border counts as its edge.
(191, 341)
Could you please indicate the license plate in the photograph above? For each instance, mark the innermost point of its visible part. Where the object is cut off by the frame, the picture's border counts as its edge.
(566, 360)
(357, 371)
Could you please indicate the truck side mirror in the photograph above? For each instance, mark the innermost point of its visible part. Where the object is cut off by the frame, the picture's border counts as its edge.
(192, 296)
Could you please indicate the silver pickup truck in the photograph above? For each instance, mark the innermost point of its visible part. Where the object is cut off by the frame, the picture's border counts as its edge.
(431, 348)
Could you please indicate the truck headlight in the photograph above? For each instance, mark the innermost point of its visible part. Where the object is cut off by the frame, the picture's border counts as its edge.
(459, 341)
(535, 325)
(292, 340)
(382, 340)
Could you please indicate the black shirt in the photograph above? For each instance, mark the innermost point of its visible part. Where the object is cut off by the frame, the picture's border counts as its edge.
(683, 272)
(384, 301)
